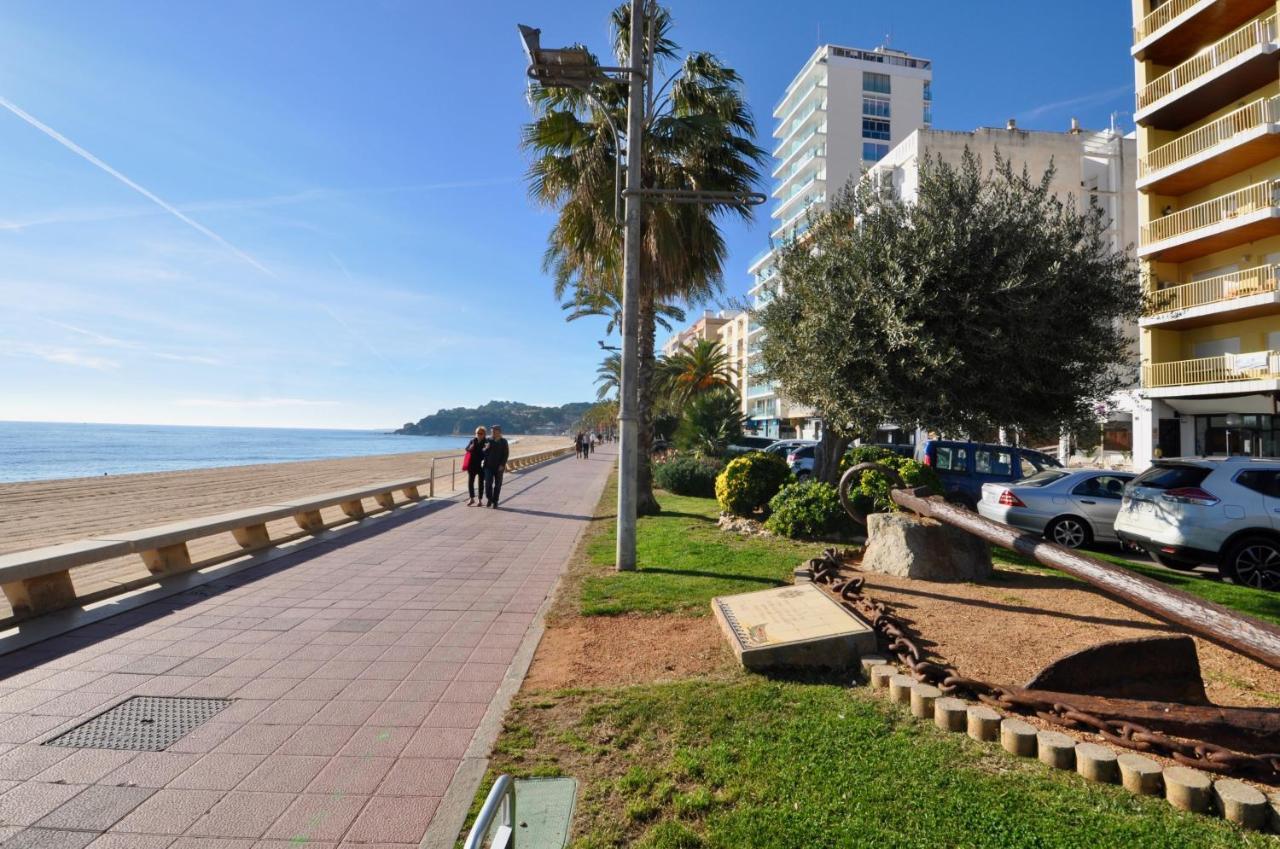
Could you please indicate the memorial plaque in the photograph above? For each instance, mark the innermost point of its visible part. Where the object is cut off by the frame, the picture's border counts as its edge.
(797, 626)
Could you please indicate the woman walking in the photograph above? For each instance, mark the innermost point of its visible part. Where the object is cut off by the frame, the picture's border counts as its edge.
(472, 461)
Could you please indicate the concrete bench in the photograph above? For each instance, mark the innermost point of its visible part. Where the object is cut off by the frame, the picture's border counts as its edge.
(39, 580)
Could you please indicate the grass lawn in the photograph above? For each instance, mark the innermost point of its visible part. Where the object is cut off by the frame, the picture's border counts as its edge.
(1263, 604)
(684, 561)
(769, 764)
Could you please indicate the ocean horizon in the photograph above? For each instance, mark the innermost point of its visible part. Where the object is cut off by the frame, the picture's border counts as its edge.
(34, 451)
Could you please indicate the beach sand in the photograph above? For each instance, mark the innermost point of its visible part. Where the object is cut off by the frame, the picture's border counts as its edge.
(39, 513)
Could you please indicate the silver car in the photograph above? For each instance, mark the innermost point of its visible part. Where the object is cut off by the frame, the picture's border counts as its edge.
(1071, 508)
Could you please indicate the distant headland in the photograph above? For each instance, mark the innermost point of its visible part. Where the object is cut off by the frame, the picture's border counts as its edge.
(513, 416)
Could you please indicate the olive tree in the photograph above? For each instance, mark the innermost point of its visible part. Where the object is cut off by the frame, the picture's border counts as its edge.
(986, 302)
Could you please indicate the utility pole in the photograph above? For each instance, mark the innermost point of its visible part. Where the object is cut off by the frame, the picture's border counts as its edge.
(629, 396)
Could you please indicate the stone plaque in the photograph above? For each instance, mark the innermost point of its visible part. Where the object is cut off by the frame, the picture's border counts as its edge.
(796, 626)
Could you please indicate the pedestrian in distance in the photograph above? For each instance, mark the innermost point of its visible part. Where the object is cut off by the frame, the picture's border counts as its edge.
(495, 465)
(577, 444)
(473, 465)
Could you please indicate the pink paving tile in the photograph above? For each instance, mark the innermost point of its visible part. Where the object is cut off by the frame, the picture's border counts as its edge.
(85, 766)
(428, 691)
(95, 808)
(317, 816)
(310, 739)
(350, 775)
(28, 802)
(265, 688)
(349, 712)
(241, 814)
(151, 769)
(316, 688)
(418, 777)
(470, 691)
(374, 690)
(443, 743)
(289, 712)
(284, 773)
(402, 819)
(449, 654)
(25, 699)
(257, 739)
(217, 771)
(482, 672)
(205, 738)
(132, 841)
(191, 842)
(456, 715)
(435, 671)
(169, 811)
(410, 713)
(23, 762)
(485, 654)
(216, 688)
(27, 729)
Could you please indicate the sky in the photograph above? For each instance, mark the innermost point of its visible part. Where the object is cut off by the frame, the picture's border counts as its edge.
(307, 213)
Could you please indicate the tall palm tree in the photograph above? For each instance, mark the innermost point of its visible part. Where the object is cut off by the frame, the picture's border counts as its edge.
(698, 135)
(606, 303)
(609, 377)
(695, 370)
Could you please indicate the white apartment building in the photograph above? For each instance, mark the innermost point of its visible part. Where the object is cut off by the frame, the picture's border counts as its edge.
(1098, 167)
(844, 111)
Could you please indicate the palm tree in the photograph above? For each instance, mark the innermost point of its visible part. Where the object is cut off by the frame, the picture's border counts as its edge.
(694, 370)
(698, 135)
(609, 377)
(606, 303)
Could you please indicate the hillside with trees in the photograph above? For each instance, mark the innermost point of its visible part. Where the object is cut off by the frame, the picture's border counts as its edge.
(513, 416)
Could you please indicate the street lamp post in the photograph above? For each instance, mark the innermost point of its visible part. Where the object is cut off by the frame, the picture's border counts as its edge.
(573, 67)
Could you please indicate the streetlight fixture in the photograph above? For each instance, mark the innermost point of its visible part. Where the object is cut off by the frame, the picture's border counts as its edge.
(574, 67)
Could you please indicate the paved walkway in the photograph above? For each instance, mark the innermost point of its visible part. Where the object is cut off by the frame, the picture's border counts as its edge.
(359, 671)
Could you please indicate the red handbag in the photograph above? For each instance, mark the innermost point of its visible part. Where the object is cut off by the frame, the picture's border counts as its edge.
(466, 461)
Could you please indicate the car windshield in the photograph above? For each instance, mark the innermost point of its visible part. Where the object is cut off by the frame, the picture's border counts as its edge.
(1170, 476)
(1044, 478)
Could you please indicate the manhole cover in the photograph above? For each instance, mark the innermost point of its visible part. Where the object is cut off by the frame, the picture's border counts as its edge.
(143, 723)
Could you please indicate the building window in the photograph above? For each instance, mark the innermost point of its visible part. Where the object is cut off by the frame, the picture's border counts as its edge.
(874, 151)
(873, 129)
(875, 107)
(928, 113)
(878, 83)
(928, 90)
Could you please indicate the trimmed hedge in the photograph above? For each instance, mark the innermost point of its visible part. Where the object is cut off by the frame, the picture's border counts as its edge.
(748, 483)
(807, 509)
(686, 474)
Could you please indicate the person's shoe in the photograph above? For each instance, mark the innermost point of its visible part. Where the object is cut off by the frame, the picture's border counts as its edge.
(494, 505)
(470, 501)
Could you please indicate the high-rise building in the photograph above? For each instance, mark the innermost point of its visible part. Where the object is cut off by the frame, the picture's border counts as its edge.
(1208, 119)
(841, 114)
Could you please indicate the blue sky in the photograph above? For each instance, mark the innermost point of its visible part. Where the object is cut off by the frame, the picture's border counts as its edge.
(338, 233)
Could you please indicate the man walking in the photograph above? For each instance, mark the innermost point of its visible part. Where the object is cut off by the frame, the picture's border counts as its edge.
(495, 464)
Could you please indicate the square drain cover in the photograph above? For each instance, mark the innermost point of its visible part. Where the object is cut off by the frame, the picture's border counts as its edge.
(143, 723)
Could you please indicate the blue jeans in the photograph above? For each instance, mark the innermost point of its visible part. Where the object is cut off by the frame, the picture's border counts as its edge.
(493, 484)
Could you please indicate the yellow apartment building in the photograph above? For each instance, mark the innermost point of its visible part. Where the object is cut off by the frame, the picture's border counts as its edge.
(1208, 118)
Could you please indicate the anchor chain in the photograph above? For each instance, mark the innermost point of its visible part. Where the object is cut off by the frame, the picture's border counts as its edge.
(898, 639)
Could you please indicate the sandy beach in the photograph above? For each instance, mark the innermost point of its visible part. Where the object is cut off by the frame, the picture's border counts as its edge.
(38, 513)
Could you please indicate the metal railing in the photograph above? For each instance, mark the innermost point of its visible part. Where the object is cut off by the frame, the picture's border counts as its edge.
(501, 801)
(1256, 114)
(1161, 16)
(1212, 290)
(1225, 368)
(1253, 34)
(812, 153)
(798, 122)
(821, 82)
(1219, 210)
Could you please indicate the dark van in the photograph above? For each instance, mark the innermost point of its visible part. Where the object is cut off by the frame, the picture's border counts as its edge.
(965, 466)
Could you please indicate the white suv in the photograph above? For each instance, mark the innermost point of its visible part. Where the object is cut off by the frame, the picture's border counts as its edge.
(1224, 511)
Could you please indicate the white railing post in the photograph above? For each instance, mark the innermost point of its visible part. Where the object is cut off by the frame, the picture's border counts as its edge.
(501, 801)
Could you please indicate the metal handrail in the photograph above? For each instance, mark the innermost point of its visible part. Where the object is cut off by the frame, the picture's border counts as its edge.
(1159, 17)
(1256, 114)
(1253, 34)
(501, 800)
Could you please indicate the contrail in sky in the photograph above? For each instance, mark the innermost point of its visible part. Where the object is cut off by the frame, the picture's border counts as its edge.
(149, 195)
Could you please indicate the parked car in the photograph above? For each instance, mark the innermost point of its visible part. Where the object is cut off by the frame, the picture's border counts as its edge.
(801, 460)
(965, 466)
(746, 444)
(1189, 511)
(783, 447)
(1073, 508)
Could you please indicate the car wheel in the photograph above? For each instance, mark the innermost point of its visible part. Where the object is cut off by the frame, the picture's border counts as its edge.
(1253, 562)
(1174, 563)
(801, 477)
(1069, 532)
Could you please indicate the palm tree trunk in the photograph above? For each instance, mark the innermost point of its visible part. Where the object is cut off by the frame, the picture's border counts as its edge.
(646, 501)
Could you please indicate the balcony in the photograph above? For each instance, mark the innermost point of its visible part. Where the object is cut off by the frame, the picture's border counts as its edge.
(1224, 71)
(1178, 28)
(800, 196)
(1242, 216)
(1225, 374)
(797, 100)
(789, 167)
(1233, 143)
(1243, 294)
(789, 129)
(792, 143)
(797, 219)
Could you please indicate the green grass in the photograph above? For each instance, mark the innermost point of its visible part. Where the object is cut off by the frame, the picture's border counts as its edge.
(1263, 604)
(684, 560)
(767, 764)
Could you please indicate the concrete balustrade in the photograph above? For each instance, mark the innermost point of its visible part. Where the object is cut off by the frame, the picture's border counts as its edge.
(39, 580)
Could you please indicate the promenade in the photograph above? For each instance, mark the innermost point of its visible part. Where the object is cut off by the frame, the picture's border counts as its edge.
(358, 671)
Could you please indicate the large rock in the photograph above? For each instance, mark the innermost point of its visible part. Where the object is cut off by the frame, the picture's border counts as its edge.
(915, 547)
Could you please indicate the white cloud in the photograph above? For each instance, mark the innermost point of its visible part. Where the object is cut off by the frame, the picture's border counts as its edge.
(59, 355)
(1082, 100)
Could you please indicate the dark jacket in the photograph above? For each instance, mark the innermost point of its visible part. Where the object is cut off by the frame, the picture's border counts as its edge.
(476, 449)
(497, 453)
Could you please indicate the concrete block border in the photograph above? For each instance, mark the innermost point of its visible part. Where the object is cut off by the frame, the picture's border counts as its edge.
(1182, 787)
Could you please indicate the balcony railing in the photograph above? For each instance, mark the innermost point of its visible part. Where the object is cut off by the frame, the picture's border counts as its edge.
(821, 82)
(1256, 197)
(1160, 17)
(788, 129)
(1253, 34)
(1225, 368)
(1213, 290)
(1256, 114)
(787, 148)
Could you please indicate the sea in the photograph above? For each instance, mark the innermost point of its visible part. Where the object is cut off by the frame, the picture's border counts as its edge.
(31, 451)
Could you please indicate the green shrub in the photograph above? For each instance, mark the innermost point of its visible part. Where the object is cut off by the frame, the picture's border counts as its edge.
(749, 481)
(685, 474)
(807, 509)
(871, 495)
